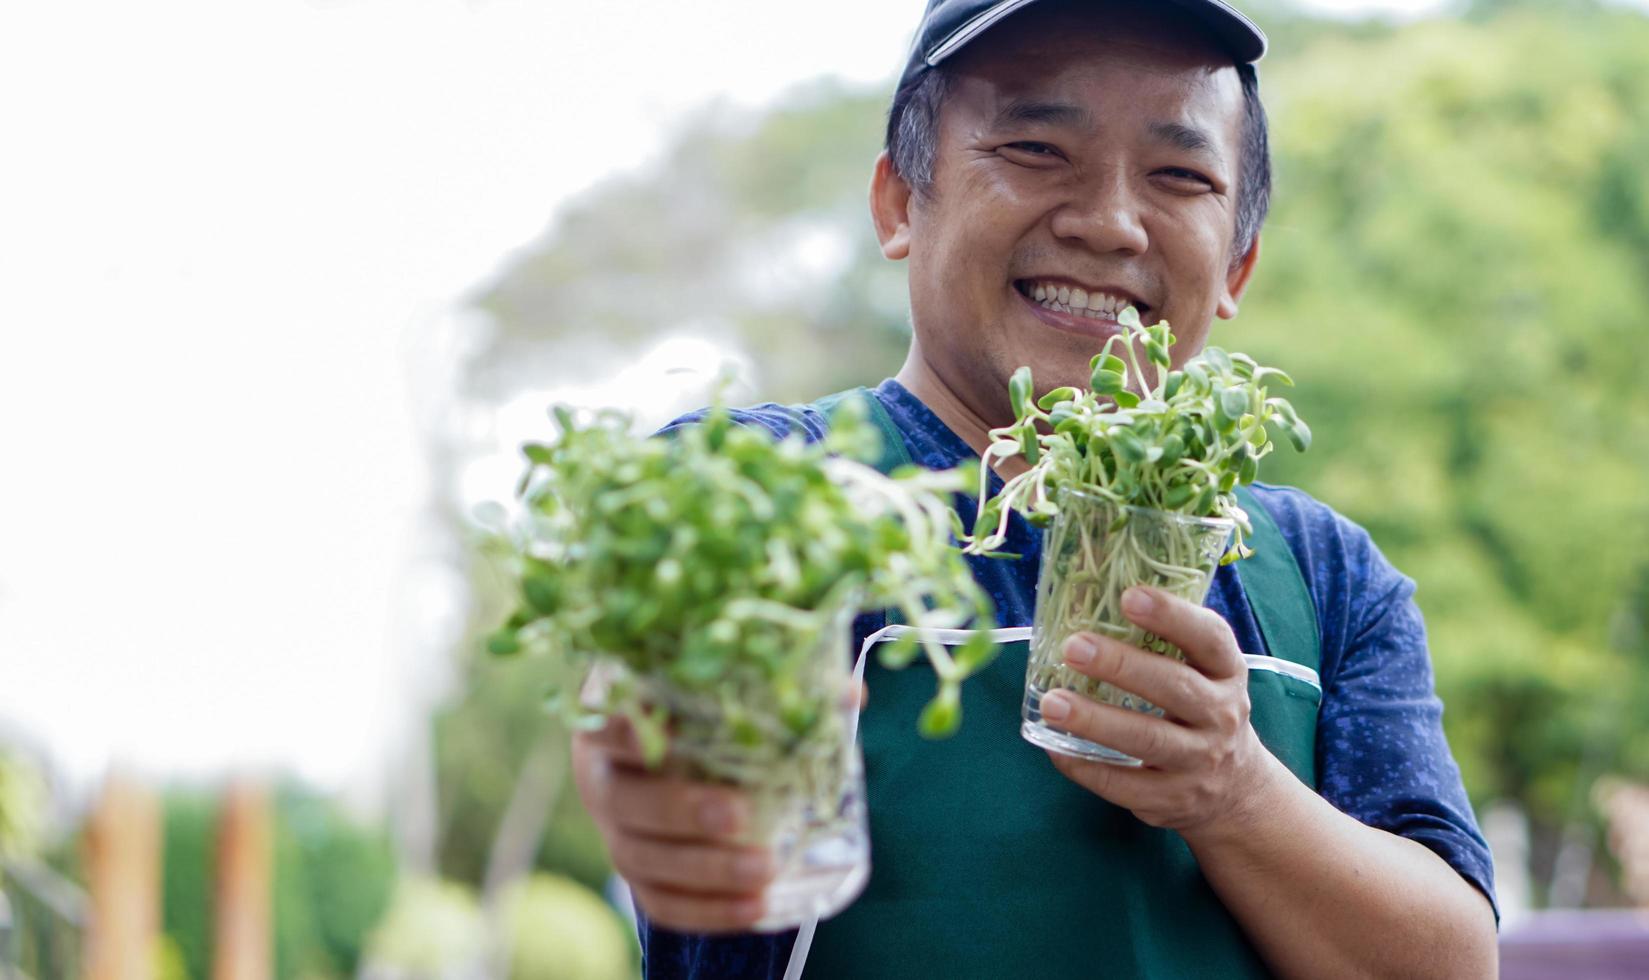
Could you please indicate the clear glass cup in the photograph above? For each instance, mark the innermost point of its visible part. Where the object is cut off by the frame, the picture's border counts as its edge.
(1092, 553)
(807, 797)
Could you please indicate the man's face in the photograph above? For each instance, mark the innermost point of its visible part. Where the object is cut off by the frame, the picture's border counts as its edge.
(1085, 162)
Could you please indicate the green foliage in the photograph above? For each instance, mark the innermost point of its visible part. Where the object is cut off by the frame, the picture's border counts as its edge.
(1179, 441)
(1459, 262)
(24, 798)
(557, 929)
(333, 879)
(751, 228)
(332, 882)
(719, 567)
(432, 928)
(483, 739)
(190, 830)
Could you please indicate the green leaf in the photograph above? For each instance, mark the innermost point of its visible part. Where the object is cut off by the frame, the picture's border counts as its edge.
(1233, 403)
(1128, 446)
(1107, 382)
(897, 654)
(650, 732)
(942, 716)
(1028, 444)
(976, 654)
(1019, 391)
(1126, 399)
(537, 453)
(542, 591)
(563, 418)
(1171, 387)
(1267, 374)
(1056, 397)
(503, 643)
(1300, 435)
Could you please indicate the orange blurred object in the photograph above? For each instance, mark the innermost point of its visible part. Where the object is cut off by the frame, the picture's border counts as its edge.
(122, 845)
(241, 933)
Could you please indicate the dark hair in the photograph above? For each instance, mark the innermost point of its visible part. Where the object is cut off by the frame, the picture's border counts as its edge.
(913, 144)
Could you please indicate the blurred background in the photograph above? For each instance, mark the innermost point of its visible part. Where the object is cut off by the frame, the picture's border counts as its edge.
(284, 284)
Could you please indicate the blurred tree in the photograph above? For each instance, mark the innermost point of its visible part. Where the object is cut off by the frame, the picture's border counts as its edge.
(24, 801)
(750, 230)
(485, 739)
(333, 878)
(556, 929)
(189, 823)
(1456, 270)
(433, 929)
(1469, 348)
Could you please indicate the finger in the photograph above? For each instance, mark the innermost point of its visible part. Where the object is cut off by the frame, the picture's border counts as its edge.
(1157, 742)
(1127, 787)
(693, 912)
(1180, 690)
(656, 805)
(707, 868)
(617, 741)
(1204, 637)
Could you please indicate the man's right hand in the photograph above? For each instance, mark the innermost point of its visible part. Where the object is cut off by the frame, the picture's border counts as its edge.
(673, 840)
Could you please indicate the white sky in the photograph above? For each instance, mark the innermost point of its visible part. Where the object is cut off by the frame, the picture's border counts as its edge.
(231, 235)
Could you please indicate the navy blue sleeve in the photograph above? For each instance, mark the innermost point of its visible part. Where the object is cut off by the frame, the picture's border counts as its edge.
(667, 955)
(1381, 753)
(781, 420)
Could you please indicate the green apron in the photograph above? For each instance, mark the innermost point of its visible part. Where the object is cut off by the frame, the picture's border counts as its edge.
(986, 862)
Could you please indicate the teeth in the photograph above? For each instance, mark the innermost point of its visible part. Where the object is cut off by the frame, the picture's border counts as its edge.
(1066, 299)
(1078, 300)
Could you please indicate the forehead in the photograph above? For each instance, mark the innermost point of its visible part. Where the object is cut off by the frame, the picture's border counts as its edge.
(1115, 60)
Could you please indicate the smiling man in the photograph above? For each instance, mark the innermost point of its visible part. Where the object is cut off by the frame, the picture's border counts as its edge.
(1048, 164)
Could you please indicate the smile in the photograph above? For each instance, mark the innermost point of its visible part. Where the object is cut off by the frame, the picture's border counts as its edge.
(1093, 302)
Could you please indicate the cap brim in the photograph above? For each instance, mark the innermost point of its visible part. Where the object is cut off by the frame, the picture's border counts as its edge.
(1238, 35)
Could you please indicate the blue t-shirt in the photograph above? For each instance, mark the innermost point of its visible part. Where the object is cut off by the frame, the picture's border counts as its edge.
(1381, 755)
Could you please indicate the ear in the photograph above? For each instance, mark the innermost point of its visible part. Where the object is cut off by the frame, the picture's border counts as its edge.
(1236, 281)
(890, 208)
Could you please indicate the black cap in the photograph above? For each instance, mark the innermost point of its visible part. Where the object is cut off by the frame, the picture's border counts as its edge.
(949, 25)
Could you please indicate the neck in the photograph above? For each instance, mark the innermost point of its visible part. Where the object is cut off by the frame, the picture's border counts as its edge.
(921, 379)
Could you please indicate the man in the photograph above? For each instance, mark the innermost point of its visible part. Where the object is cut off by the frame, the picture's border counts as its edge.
(1049, 163)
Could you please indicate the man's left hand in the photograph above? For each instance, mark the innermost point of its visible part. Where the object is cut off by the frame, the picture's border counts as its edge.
(1204, 768)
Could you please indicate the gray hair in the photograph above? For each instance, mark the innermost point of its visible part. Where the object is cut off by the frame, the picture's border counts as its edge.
(913, 144)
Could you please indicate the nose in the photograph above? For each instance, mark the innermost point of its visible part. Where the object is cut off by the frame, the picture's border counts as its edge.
(1103, 213)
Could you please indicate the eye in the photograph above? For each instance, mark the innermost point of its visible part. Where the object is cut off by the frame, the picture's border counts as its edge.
(1030, 151)
(1182, 177)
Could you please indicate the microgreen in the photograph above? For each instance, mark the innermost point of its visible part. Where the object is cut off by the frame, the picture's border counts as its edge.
(716, 570)
(1128, 474)
(1172, 440)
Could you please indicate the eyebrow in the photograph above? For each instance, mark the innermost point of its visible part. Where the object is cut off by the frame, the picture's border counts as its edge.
(1186, 138)
(1178, 135)
(1023, 111)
